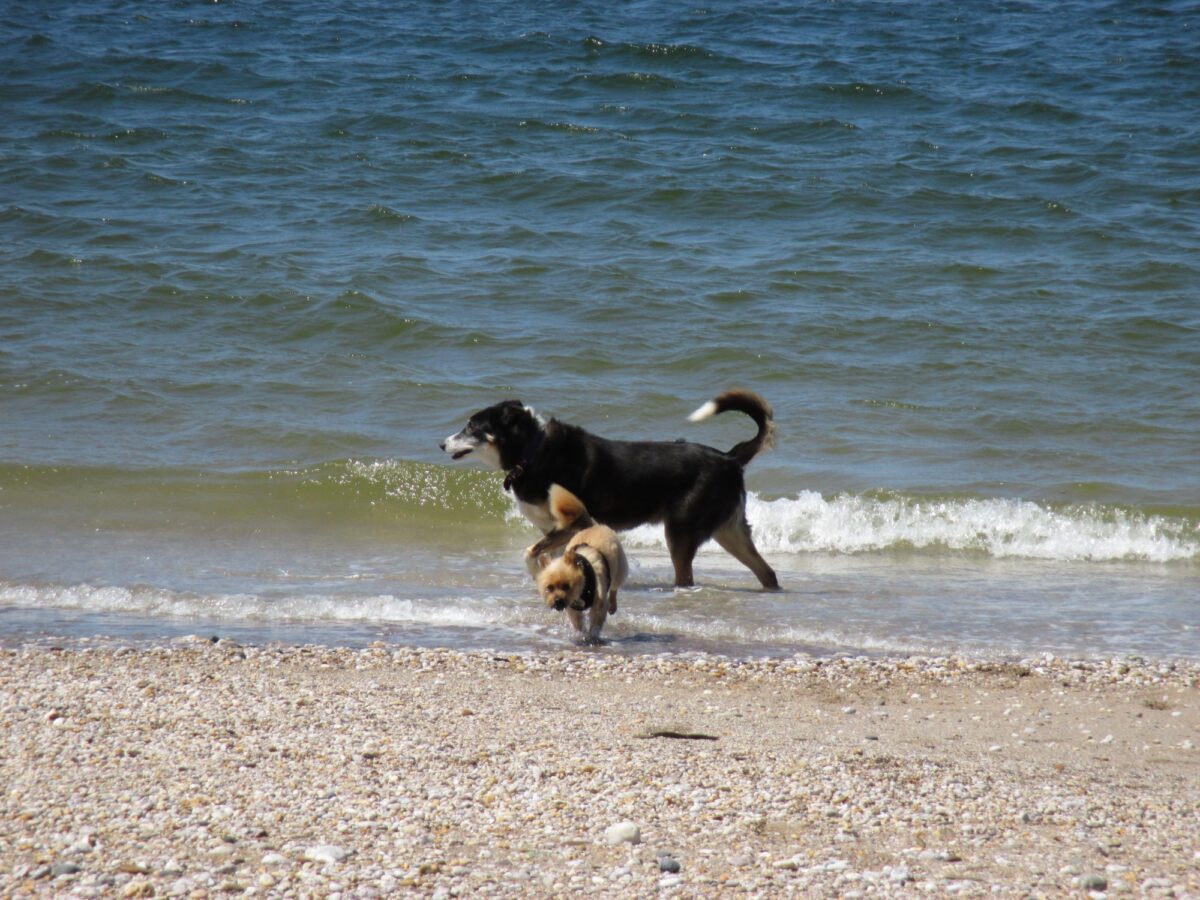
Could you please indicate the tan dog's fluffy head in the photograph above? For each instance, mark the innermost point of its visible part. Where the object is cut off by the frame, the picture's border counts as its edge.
(561, 583)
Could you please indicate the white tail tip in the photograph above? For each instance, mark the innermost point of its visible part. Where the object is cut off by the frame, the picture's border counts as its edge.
(708, 410)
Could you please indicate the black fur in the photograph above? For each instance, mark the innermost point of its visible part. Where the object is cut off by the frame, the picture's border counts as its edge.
(696, 491)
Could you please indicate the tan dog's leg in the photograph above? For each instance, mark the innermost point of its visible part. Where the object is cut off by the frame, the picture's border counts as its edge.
(576, 617)
(618, 578)
(596, 617)
(534, 553)
(600, 607)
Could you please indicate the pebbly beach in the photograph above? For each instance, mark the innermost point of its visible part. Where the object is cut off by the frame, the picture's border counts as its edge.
(207, 768)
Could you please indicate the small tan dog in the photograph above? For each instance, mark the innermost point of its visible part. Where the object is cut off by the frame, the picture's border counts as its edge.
(588, 575)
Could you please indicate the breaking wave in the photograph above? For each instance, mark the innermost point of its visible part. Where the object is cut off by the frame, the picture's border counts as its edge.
(384, 609)
(998, 528)
(440, 499)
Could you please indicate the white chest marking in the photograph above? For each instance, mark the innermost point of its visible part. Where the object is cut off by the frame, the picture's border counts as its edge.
(538, 514)
(490, 455)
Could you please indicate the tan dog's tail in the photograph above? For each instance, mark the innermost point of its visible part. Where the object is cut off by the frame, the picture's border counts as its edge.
(753, 405)
(568, 510)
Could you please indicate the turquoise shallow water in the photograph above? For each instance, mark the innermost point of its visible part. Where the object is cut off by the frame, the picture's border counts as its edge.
(258, 259)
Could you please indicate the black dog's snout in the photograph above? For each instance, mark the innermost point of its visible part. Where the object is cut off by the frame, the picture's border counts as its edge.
(441, 445)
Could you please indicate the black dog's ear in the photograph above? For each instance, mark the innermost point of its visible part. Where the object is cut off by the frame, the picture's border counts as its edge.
(511, 411)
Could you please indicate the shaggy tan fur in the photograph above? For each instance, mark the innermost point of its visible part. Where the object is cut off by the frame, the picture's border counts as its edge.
(561, 582)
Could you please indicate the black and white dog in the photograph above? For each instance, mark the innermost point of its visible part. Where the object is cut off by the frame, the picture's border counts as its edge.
(696, 491)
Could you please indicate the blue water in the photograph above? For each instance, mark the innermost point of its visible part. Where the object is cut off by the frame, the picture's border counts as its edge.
(257, 259)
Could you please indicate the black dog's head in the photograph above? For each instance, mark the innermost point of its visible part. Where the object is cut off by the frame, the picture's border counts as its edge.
(499, 435)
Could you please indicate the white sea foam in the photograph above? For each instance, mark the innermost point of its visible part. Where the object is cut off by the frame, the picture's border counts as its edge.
(382, 609)
(998, 528)
(730, 630)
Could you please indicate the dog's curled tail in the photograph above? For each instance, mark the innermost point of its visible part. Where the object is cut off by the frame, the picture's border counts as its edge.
(750, 403)
(567, 509)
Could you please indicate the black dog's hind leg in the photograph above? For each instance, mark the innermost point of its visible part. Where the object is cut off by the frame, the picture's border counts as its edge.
(735, 538)
(683, 546)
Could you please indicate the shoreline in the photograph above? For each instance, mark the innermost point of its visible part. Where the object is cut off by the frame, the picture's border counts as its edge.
(198, 768)
(145, 633)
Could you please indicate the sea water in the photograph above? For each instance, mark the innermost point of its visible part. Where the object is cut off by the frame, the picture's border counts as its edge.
(256, 260)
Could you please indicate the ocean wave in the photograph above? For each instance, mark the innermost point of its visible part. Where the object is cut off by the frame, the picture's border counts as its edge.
(383, 609)
(346, 490)
(993, 527)
(568, 127)
(647, 618)
(382, 213)
(648, 81)
(857, 89)
(441, 496)
(650, 50)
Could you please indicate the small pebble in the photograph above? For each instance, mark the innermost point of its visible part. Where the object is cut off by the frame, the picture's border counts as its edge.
(623, 833)
(326, 853)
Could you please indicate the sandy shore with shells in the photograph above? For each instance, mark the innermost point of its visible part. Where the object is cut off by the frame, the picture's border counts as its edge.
(201, 768)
